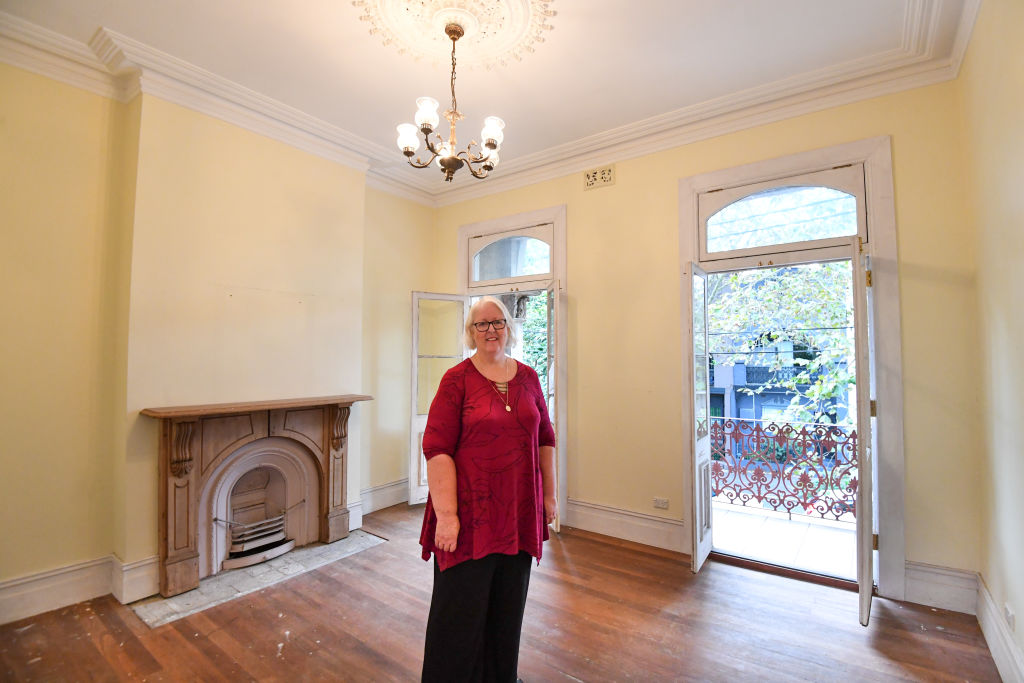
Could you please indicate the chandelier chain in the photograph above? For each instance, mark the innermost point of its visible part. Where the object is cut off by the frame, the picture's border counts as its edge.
(455, 107)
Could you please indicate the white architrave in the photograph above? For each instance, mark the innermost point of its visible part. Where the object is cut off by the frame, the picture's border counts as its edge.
(876, 156)
(556, 216)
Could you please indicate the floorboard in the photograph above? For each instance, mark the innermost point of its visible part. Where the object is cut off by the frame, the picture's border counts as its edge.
(600, 609)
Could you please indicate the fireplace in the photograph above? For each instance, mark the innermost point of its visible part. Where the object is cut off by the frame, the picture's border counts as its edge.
(241, 483)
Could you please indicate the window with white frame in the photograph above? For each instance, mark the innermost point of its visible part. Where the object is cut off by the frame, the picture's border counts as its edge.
(807, 211)
(511, 257)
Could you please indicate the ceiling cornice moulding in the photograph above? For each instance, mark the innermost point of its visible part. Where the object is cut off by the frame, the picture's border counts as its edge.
(180, 82)
(528, 171)
(913, 65)
(398, 188)
(114, 65)
(119, 67)
(44, 52)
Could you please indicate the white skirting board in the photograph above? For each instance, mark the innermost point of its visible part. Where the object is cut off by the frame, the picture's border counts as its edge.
(134, 580)
(1007, 654)
(952, 589)
(670, 534)
(385, 495)
(355, 515)
(45, 591)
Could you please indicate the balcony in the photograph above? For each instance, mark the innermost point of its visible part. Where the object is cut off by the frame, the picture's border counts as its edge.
(786, 493)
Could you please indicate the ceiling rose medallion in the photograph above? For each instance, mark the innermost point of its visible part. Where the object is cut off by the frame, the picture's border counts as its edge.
(495, 32)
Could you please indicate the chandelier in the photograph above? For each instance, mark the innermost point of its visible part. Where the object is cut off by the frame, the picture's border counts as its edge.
(479, 163)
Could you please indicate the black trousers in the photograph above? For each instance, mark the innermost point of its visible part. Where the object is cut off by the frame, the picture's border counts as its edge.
(476, 616)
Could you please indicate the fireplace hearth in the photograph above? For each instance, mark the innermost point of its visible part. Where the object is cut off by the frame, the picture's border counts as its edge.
(241, 483)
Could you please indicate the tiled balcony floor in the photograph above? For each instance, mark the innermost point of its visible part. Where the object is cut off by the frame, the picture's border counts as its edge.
(813, 545)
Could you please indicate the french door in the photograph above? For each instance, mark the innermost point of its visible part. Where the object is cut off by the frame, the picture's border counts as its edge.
(438, 324)
(700, 424)
(695, 291)
(437, 328)
(864, 358)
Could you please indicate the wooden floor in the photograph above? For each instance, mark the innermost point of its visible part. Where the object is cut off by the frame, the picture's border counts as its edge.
(599, 610)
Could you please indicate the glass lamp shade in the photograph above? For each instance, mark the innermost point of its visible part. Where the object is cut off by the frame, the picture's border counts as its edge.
(408, 138)
(491, 133)
(426, 113)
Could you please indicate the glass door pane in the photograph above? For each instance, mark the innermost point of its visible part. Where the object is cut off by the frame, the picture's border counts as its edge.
(437, 346)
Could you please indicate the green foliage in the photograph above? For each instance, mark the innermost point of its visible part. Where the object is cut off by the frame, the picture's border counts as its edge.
(754, 315)
(535, 337)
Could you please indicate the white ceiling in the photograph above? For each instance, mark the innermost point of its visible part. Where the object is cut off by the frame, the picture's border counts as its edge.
(613, 78)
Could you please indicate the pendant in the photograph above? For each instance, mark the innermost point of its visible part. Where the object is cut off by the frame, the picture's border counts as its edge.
(508, 408)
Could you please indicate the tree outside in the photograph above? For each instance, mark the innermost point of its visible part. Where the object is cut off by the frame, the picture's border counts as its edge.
(796, 321)
(534, 331)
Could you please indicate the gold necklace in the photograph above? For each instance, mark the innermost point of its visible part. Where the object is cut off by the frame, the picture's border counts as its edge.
(508, 391)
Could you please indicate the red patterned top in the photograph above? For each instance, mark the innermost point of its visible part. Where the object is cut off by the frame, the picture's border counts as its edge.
(499, 488)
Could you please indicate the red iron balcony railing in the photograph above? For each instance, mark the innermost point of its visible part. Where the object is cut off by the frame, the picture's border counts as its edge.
(800, 468)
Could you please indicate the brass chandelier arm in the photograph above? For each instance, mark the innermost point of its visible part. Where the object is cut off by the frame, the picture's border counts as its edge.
(477, 158)
(422, 164)
(434, 153)
(467, 156)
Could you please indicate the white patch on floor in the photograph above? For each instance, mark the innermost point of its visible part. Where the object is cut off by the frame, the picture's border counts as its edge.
(235, 583)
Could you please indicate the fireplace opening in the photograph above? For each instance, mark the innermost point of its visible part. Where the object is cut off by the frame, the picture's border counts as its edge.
(257, 525)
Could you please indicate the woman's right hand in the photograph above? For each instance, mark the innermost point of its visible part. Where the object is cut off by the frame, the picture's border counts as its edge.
(446, 535)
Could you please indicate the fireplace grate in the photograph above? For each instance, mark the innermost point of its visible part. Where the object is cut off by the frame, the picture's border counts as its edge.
(248, 537)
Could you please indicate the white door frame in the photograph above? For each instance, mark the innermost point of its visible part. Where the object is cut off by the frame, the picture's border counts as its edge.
(876, 156)
(555, 215)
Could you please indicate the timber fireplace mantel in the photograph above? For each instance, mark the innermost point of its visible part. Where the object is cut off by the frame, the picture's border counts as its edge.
(202, 449)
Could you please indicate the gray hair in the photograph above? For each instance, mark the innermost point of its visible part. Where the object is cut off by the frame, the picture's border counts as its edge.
(470, 317)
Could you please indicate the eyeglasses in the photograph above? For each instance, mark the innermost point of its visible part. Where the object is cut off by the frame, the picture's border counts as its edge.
(498, 324)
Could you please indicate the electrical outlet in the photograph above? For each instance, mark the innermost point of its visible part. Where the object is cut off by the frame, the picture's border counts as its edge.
(1011, 618)
(661, 503)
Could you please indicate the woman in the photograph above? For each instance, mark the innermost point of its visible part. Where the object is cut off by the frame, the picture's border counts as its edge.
(490, 470)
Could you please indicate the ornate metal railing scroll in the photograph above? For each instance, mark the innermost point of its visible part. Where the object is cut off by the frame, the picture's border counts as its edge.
(801, 468)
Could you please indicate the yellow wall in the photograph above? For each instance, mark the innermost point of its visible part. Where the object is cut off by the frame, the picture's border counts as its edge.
(398, 247)
(56, 263)
(624, 365)
(992, 84)
(246, 282)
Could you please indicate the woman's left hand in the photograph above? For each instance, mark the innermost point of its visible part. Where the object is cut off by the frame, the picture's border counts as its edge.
(550, 509)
